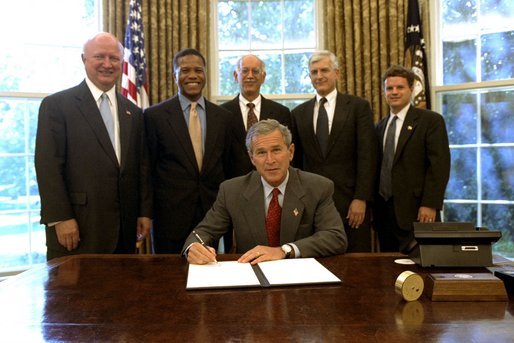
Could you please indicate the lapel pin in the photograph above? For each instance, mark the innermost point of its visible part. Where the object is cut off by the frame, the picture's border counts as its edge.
(295, 212)
(128, 113)
(409, 128)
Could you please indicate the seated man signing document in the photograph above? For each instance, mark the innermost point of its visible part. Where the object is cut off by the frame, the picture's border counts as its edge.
(276, 211)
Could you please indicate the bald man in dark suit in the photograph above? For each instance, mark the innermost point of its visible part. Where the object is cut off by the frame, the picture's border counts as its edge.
(93, 172)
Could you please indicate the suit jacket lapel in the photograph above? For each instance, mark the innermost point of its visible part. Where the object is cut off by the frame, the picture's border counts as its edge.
(125, 120)
(179, 127)
(253, 208)
(213, 130)
(339, 120)
(292, 209)
(308, 127)
(89, 110)
(408, 128)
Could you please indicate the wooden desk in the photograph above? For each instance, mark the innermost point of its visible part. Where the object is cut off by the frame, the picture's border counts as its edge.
(143, 299)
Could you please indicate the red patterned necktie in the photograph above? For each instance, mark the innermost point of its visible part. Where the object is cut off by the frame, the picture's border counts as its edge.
(251, 118)
(273, 220)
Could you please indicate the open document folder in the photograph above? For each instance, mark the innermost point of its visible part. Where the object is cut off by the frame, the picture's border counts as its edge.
(233, 274)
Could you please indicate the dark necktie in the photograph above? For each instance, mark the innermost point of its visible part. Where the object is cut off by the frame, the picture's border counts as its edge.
(273, 220)
(251, 118)
(322, 126)
(386, 188)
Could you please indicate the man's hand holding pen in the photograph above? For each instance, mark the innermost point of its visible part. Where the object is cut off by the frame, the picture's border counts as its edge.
(200, 253)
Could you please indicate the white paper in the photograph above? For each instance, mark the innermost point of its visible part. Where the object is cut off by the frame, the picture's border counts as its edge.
(296, 271)
(221, 274)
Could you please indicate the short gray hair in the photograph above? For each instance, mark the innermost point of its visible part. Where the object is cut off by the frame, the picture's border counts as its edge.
(265, 127)
(321, 54)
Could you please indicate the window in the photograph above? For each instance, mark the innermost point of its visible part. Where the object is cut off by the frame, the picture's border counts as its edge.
(283, 33)
(475, 93)
(41, 55)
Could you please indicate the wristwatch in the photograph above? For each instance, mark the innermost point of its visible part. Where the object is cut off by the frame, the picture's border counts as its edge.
(287, 249)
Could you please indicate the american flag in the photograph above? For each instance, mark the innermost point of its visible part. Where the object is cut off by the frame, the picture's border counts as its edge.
(134, 84)
(415, 56)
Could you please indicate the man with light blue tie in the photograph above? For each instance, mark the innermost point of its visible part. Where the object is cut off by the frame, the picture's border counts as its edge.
(91, 161)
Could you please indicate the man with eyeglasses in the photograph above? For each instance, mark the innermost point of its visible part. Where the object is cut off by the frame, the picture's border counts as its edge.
(334, 136)
(250, 106)
(247, 108)
(91, 162)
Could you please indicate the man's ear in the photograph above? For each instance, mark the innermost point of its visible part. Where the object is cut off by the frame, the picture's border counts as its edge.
(251, 157)
(291, 151)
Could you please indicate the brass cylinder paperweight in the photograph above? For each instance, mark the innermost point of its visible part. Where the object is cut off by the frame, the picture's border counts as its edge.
(409, 285)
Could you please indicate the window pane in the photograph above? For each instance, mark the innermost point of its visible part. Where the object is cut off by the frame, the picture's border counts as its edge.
(459, 12)
(299, 31)
(39, 49)
(498, 173)
(227, 64)
(498, 56)
(16, 243)
(233, 25)
(16, 115)
(497, 117)
(496, 14)
(460, 114)
(500, 218)
(460, 213)
(462, 183)
(297, 73)
(266, 25)
(459, 62)
(274, 79)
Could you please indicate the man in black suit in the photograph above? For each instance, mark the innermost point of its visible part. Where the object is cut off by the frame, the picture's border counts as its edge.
(334, 137)
(413, 178)
(190, 141)
(250, 74)
(91, 161)
(247, 108)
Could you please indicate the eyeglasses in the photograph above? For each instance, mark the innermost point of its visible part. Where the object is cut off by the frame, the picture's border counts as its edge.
(255, 71)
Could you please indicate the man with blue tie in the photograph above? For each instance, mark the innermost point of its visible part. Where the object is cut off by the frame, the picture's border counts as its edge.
(91, 161)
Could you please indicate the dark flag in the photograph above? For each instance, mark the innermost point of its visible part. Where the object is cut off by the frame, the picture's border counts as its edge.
(415, 56)
(134, 84)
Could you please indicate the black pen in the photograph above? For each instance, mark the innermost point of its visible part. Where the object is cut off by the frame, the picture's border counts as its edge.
(200, 240)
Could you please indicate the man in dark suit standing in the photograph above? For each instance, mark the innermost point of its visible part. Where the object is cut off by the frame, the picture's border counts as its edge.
(91, 161)
(250, 106)
(247, 108)
(334, 137)
(415, 164)
(277, 211)
(190, 141)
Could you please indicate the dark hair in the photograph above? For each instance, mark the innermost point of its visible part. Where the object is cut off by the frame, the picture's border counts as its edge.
(183, 53)
(265, 127)
(400, 71)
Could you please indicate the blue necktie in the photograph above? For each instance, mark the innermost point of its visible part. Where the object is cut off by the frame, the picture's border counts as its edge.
(322, 126)
(105, 111)
(386, 187)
